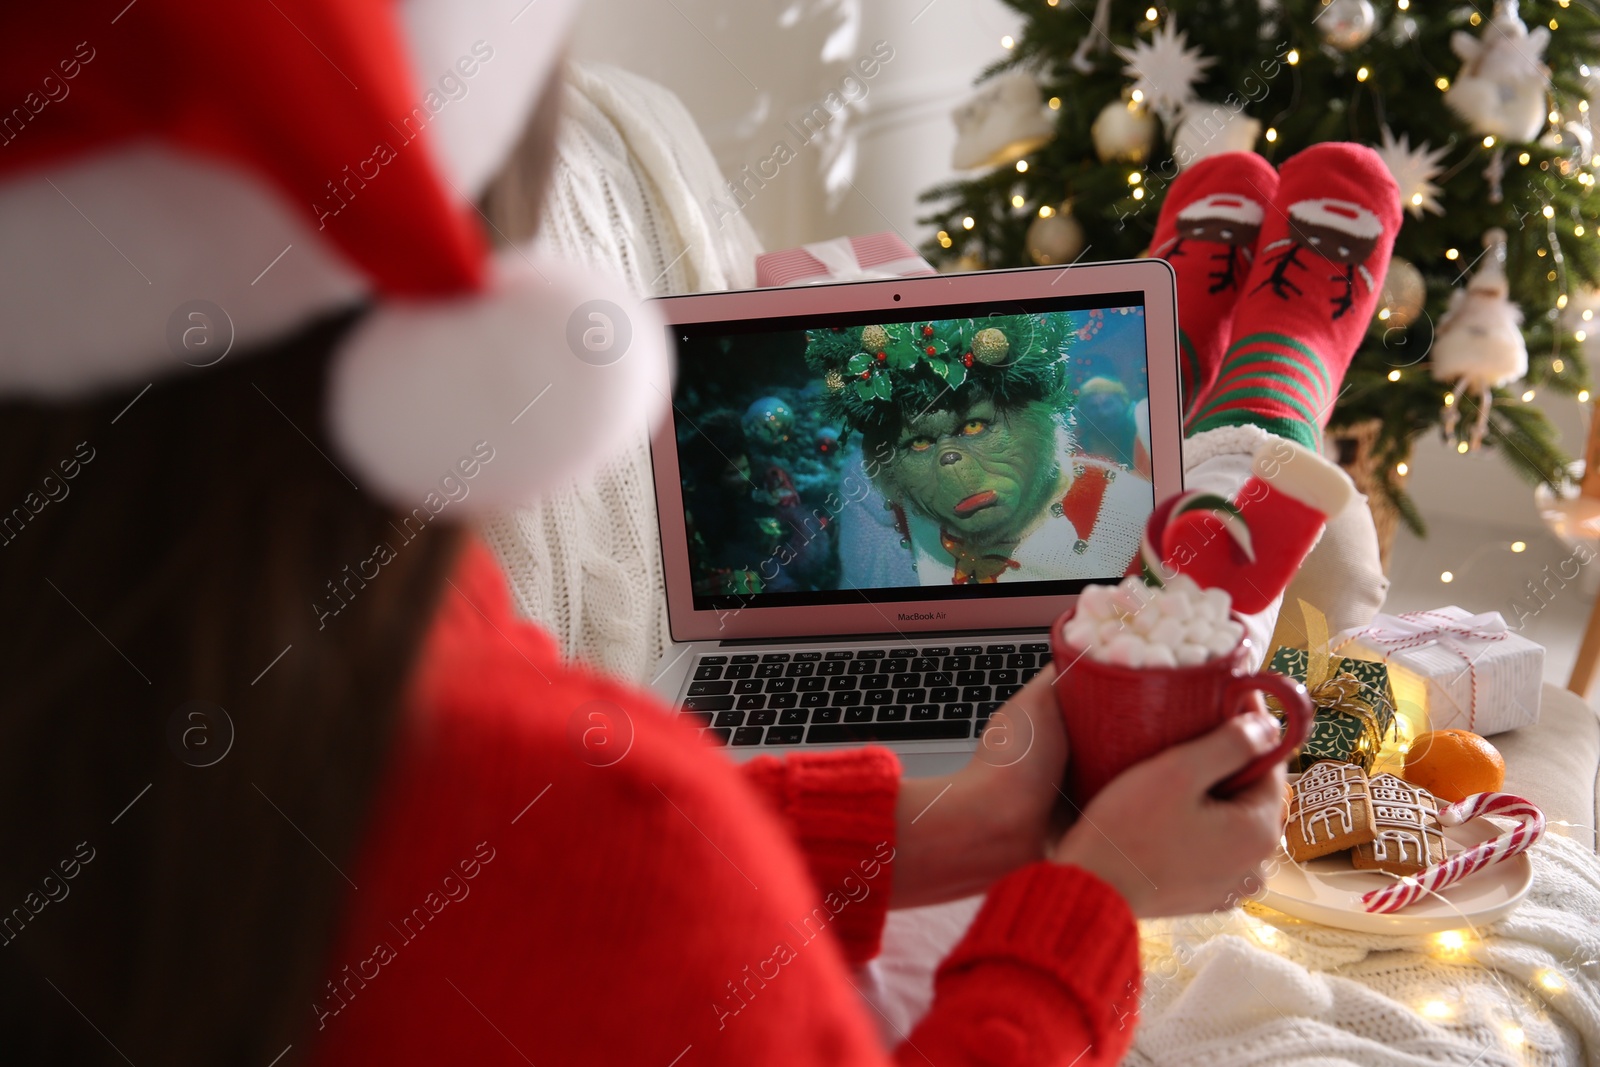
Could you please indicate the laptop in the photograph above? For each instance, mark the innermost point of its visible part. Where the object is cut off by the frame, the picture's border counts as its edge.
(875, 497)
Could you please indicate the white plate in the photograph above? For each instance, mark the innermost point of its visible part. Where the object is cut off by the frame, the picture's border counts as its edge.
(1328, 891)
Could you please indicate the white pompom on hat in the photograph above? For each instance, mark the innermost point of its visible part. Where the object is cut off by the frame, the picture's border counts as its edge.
(332, 160)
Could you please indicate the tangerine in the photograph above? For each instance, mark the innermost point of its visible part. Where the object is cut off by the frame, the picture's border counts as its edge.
(1454, 764)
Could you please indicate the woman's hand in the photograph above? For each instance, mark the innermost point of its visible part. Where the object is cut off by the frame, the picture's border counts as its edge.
(959, 833)
(1160, 839)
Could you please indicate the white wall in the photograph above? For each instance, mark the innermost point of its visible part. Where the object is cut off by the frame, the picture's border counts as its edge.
(745, 69)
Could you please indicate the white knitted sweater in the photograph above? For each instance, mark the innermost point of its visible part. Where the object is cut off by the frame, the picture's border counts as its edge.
(629, 195)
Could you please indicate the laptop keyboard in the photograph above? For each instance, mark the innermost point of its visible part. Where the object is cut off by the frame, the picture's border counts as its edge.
(854, 695)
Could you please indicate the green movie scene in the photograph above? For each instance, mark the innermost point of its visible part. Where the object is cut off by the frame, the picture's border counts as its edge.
(951, 452)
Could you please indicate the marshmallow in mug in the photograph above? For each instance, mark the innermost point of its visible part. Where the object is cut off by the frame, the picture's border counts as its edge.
(1137, 625)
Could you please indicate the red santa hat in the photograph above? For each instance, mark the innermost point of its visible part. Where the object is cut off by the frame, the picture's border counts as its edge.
(176, 174)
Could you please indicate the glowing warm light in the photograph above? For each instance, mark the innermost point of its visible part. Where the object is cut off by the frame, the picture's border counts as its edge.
(1134, 178)
(1488, 142)
(1588, 313)
(1442, 83)
(1558, 365)
(1551, 980)
(1055, 103)
(1514, 1036)
(1446, 577)
(944, 240)
(1577, 231)
(1436, 1009)
(1293, 57)
(1449, 398)
(1553, 25)
(1561, 301)
(1583, 396)
(1150, 14)
(1402, 469)
(1363, 74)
(1519, 546)
(1549, 212)
(968, 223)
(1452, 253)
(1580, 336)
(1394, 375)
(1555, 116)
(1022, 166)
(1527, 396)
(1007, 42)
(1137, 96)
(1524, 158)
(1461, 447)
(1452, 940)
(1404, 5)
(1475, 19)
(1046, 211)
(1138, 194)
(1416, 199)
(1017, 201)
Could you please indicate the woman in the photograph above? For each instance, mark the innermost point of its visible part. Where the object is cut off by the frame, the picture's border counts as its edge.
(274, 795)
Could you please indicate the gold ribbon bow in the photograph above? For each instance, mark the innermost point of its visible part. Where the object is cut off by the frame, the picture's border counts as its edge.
(1338, 691)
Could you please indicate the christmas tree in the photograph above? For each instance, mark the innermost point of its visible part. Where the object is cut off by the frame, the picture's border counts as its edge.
(1483, 119)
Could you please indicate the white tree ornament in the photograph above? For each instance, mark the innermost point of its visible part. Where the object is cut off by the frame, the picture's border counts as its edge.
(1165, 70)
(1001, 123)
(1500, 90)
(1479, 343)
(1414, 170)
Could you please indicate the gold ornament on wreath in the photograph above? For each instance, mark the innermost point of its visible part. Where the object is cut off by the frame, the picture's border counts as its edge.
(989, 346)
(874, 338)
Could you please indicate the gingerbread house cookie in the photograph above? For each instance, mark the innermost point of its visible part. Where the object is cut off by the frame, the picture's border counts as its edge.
(1329, 811)
(1408, 837)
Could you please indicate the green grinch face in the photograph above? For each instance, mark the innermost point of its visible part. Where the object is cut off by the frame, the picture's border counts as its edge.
(979, 472)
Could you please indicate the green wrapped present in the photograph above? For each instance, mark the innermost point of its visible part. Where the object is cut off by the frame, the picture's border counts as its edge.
(1354, 702)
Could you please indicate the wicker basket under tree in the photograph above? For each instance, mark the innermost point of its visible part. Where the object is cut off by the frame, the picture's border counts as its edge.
(1377, 469)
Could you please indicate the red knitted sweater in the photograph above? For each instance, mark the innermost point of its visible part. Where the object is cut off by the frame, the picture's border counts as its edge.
(518, 904)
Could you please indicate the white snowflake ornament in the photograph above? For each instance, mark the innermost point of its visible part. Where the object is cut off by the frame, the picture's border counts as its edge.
(1414, 170)
(1165, 70)
(1501, 88)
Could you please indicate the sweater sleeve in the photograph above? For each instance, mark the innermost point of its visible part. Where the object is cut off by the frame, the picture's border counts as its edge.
(1047, 973)
(840, 809)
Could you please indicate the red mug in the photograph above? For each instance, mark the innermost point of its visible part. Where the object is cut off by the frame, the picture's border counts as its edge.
(1118, 716)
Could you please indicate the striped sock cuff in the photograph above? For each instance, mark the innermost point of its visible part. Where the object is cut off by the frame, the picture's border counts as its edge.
(1297, 430)
(1268, 380)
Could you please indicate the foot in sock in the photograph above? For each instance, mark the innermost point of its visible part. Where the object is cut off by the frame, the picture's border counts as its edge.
(1208, 230)
(1311, 293)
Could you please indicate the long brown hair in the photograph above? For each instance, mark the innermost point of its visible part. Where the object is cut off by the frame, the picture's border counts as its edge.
(189, 744)
(190, 737)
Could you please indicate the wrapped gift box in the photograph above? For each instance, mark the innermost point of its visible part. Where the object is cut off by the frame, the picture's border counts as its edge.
(1465, 671)
(1355, 707)
(843, 259)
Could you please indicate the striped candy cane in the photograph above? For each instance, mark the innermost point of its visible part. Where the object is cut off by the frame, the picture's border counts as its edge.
(1393, 897)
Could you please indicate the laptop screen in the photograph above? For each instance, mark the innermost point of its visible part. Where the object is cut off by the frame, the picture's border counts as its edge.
(936, 454)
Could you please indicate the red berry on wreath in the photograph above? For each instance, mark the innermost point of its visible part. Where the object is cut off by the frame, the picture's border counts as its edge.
(865, 375)
(931, 350)
(927, 331)
(882, 357)
(966, 360)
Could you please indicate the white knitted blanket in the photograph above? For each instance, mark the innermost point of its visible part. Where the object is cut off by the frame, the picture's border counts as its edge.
(1253, 987)
(629, 196)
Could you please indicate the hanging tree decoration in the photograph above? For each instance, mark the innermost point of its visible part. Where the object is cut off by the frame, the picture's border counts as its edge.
(1000, 123)
(1346, 24)
(1479, 344)
(1124, 131)
(1165, 70)
(1414, 170)
(1500, 89)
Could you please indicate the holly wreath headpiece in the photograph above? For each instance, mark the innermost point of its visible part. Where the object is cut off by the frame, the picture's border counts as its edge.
(876, 376)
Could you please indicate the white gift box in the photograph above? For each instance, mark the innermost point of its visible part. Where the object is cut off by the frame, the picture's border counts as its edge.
(1467, 672)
